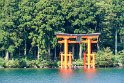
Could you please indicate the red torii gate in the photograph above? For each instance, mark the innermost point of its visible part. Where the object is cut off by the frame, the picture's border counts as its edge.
(66, 57)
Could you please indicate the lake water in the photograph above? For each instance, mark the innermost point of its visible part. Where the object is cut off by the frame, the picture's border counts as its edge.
(105, 75)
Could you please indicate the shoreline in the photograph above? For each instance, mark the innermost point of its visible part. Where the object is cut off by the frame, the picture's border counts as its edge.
(75, 67)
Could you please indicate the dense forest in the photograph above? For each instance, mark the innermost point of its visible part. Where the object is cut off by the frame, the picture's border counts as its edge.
(28, 27)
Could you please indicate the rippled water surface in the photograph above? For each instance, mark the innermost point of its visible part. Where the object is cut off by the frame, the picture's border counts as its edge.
(106, 75)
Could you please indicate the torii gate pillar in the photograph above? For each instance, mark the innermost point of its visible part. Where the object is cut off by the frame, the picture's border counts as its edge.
(66, 58)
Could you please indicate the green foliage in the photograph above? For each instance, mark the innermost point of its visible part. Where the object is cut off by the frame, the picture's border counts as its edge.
(49, 64)
(12, 63)
(115, 60)
(120, 57)
(52, 64)
(59, 63)
(23, 63)
(118, 60)
(104, 58)
(41, 64)
(78, 62)
(32, 64)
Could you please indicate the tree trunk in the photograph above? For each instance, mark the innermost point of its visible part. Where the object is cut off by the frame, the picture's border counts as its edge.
(116, 42)
(7, 56)
(80, 52)
(98, 48)
(25, 50)
(38, 52)
(49, 51)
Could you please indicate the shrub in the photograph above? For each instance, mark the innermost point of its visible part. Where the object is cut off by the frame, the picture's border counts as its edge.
(58, 63)
(44, 63)
(12, 63)
(23, 63)
(104, 58)
(120, 57)
(52, 64)
(78, 62)
(115, 60)
(32, 64)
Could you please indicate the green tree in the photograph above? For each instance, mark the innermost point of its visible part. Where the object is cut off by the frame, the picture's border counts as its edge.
(118, 19)
(9, 39)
